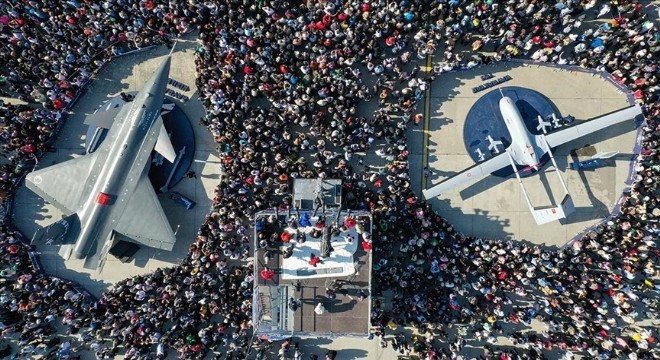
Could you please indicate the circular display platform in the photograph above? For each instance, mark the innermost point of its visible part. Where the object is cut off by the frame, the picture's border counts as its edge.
(163, 174)
(484, 119)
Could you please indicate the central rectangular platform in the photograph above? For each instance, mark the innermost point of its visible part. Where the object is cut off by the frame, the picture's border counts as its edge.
(347, 270)
(339, 263)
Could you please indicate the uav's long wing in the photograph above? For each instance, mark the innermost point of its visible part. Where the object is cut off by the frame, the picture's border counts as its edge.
(587, 127)
(143, 219)
(469, 175)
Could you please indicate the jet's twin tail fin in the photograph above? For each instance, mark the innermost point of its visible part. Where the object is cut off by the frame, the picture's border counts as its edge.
(164, 145)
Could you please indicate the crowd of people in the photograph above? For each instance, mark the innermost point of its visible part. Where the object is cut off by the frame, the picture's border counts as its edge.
(283, 84)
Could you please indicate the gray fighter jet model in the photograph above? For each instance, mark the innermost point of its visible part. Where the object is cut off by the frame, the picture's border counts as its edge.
(107, 194)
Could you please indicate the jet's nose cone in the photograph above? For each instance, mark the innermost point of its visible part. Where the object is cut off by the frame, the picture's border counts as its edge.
(163, 71)
(160, 77)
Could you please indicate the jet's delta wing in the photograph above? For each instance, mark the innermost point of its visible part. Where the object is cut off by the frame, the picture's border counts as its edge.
(144, 221)
(63, 184)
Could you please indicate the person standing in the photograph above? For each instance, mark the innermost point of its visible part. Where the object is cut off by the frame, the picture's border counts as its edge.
(319, 309)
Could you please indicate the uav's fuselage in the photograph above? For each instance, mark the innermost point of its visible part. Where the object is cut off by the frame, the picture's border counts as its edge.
(121, 160)
(522, 148)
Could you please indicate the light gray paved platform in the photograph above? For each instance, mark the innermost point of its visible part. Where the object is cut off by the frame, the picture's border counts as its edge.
(128, 73)
(347, 348)
(495, 207)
